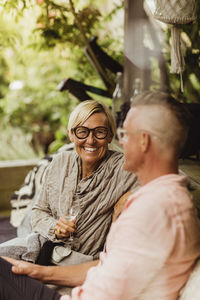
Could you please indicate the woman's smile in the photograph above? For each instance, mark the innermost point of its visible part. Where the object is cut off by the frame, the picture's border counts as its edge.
(91, 149)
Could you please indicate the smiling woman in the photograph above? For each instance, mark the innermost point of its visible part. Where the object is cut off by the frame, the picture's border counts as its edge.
(91, 128)
(91, 176)
(91, 141)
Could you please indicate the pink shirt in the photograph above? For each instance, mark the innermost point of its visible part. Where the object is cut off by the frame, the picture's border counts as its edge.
(150, 249)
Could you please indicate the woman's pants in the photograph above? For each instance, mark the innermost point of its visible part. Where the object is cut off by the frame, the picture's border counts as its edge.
(22, 287)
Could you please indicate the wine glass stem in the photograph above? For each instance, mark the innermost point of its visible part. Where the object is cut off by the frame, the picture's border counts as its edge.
(71, 237)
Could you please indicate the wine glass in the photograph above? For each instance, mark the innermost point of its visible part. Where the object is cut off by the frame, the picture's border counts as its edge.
(71, 214)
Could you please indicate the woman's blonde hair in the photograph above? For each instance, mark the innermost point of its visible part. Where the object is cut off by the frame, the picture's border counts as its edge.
(84, 110)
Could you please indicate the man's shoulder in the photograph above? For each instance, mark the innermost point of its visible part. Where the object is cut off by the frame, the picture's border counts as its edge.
(158, 203)
(168, 194)
(164, 191)
(168, 183)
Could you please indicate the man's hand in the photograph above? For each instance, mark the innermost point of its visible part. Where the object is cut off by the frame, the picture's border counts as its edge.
(25, 268)
(60, 275)
(64, 227)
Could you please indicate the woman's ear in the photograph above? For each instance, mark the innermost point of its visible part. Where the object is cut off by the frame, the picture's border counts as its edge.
(71, 137)
(110, 139)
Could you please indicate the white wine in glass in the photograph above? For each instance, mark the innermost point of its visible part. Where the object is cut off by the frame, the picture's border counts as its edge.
(71, 214)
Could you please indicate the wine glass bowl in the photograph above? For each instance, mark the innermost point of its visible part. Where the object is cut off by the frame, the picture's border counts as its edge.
(71, 214)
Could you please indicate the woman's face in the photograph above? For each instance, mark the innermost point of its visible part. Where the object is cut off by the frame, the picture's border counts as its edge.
(91, 149)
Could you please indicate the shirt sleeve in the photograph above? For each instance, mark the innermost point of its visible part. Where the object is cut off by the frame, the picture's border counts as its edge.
(42, 220)
(137, 248)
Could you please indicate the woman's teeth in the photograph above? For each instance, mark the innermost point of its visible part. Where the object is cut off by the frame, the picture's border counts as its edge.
(90, 149)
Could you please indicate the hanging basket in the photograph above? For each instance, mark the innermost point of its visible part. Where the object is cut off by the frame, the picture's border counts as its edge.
(175, 12)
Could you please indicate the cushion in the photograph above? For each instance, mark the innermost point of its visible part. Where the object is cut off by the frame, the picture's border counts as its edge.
(191, 290)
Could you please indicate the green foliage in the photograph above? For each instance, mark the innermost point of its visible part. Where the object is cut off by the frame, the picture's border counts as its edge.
(15, 144)
(41, 44)
(3, 80)
(38, 108)
(8, 36)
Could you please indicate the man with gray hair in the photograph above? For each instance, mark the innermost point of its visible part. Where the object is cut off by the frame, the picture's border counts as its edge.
(153, 245)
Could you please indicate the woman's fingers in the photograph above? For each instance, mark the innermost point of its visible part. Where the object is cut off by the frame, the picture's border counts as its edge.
(64, 227)
(59, 234)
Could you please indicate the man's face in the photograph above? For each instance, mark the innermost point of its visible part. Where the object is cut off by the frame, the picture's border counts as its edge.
(130, 142)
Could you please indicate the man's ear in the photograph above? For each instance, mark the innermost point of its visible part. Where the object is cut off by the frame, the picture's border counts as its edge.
(71, 137)
(144, 141)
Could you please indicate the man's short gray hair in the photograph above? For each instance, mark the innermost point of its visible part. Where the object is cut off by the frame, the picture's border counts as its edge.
(165, 117)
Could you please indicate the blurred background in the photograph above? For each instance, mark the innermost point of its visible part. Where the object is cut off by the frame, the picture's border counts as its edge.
(45, 43)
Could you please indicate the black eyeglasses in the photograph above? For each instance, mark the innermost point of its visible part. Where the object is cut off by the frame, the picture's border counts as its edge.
(82, 132)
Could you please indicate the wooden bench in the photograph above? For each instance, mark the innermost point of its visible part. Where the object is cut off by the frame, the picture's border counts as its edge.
(12, 174)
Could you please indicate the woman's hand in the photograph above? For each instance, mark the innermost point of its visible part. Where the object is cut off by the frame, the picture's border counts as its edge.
(64, 227)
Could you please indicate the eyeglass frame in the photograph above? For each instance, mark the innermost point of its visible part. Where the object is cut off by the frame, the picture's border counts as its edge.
(124, 131)
(119, 131)
(90, 130)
